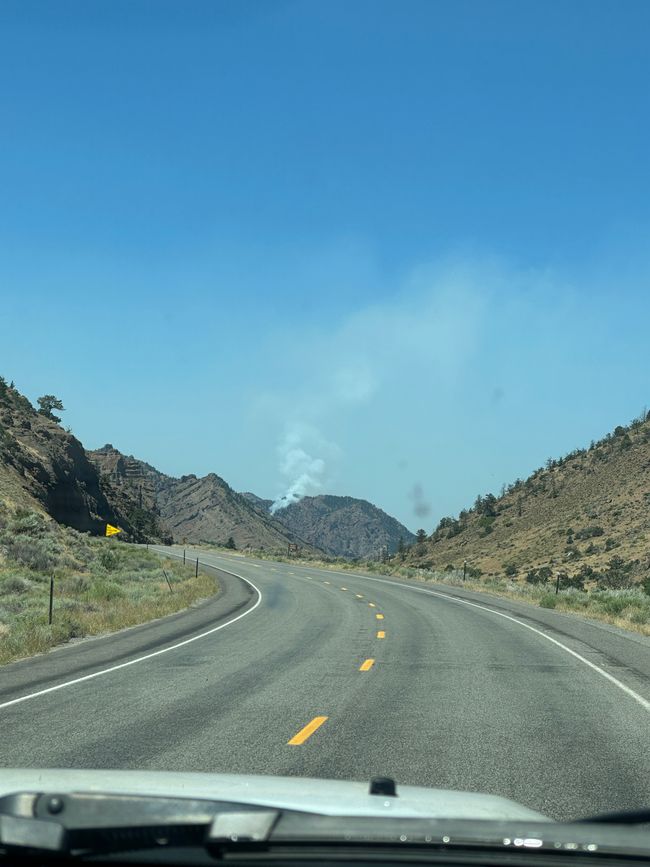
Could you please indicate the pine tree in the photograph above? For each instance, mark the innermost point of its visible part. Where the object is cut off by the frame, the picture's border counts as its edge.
(47, 403)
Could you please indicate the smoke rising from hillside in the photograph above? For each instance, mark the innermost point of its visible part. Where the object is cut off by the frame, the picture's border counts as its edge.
(304, 472)
(426, 332)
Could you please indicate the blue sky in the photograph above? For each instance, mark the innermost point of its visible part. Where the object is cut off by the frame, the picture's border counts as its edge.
(398, 249)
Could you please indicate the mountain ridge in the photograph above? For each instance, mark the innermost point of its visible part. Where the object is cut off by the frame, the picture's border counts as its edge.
(197, 509)
(342, 526)
(585, 516)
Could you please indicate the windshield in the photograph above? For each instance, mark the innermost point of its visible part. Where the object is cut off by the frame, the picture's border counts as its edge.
(324, 429)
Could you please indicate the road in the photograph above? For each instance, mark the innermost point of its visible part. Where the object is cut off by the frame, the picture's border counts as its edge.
(325, 674)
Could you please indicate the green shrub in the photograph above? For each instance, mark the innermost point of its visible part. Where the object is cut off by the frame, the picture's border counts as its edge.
(75, 585)
(617, 576)
(549, 600)
(575, 600)
(37, 554)
(539, 576)
(27, 522)
(105, 590)
(510, 569)
(575, 582)
(108, 559)
(612, 604)
(14, 584)
(573, 552)
(589, 532)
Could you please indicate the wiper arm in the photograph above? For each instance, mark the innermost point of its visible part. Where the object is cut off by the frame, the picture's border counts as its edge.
(622, 817)
(82, 824)
(86, 824)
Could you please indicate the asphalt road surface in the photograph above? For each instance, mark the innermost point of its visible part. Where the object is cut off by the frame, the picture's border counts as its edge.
(327, 674)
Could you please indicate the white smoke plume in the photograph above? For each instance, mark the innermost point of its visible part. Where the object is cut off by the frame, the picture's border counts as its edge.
(304, 471)
(426, 332)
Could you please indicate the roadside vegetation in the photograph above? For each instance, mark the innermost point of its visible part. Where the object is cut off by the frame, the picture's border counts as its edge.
(100, 585)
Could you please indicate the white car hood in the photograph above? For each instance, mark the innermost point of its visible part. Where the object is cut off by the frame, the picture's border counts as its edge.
(327, 797)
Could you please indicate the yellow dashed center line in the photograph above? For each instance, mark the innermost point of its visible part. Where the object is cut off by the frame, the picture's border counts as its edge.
(358, 595)
(344, 588)
(326, 582)
(307, 731)
(381, 634)
(379, 616)
(372, 604)
(367, 665)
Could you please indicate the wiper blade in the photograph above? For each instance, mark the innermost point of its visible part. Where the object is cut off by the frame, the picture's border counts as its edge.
(86, 825)
(622, 817)
(82, 824)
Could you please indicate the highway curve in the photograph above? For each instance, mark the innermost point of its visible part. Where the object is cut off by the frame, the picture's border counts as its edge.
(325, 674)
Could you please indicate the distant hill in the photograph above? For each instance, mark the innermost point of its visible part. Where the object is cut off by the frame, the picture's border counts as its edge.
(195, 509)
(340, 526)
(43, 467)
(578, 514)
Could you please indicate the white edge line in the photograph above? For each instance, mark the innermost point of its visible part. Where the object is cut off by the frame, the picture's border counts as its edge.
(626, 689)
(645, 704)
(148, 655)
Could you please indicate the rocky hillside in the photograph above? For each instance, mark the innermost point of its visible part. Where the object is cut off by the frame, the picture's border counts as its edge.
(586, 515)
(341, 526)
(194, 509)
(45, 468)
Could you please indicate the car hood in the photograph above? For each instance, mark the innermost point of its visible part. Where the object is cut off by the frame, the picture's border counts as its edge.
(327, 797)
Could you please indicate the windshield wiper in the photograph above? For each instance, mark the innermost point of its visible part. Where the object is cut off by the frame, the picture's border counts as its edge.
(622, 817)
(82, 824)
(53, 827)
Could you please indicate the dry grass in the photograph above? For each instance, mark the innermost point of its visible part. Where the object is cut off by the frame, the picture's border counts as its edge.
(100, 585)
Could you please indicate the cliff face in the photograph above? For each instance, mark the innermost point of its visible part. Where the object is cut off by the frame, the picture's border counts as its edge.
(44, 467)
(193, 509)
